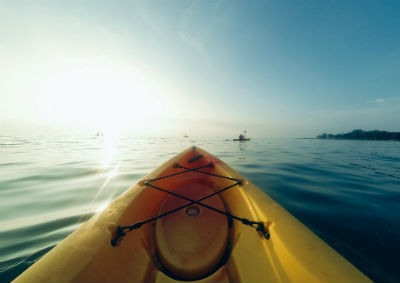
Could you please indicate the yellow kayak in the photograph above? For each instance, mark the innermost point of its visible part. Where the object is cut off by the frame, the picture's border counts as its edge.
(193, 219)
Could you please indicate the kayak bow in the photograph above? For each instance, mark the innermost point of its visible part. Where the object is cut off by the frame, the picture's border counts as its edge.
(193, 218)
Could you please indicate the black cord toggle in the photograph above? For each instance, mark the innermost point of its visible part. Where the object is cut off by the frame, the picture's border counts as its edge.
(120, 234)
(260, 227)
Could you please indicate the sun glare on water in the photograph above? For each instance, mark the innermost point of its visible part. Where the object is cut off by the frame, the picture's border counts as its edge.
(109, 151)
(108, 165)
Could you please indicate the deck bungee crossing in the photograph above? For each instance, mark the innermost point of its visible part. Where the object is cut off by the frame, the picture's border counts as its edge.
(192, 210)
(193, 218)
(259, 226)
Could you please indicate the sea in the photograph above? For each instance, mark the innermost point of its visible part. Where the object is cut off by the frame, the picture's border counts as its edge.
(345, 191)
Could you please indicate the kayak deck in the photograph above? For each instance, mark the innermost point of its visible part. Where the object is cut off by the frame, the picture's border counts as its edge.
(193, 219)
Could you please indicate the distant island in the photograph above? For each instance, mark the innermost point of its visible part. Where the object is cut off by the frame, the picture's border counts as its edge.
(364, 135)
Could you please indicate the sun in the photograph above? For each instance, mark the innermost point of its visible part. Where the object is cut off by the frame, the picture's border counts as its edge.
(107, 98)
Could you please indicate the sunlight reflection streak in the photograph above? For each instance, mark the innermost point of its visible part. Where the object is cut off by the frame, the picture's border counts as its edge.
(110, 175)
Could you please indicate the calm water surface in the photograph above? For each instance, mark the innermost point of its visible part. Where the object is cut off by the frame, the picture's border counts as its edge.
(347, 192)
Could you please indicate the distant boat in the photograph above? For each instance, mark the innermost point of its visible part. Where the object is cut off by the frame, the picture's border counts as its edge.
(242, 137)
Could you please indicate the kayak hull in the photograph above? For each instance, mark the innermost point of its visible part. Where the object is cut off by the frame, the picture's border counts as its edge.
(245, 139)
(194, 242)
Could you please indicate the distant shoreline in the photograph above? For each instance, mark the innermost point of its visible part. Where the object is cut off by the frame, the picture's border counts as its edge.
(363, 135)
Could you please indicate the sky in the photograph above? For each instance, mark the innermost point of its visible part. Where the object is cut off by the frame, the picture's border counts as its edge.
(203, 68)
